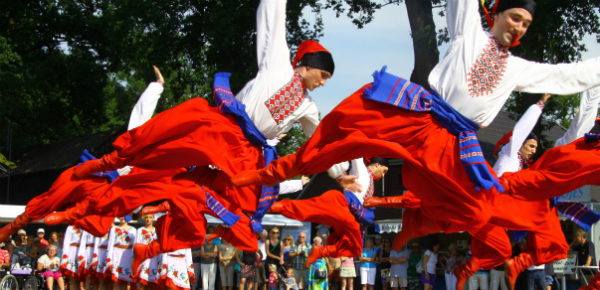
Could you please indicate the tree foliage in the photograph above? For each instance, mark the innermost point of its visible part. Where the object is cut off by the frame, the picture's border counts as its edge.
(72, 67)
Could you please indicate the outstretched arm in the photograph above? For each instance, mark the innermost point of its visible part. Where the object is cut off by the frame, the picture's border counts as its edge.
(584, 119)
(271, 42)
(144, 108)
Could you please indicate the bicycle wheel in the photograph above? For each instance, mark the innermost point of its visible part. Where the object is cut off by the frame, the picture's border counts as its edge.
(9, 282)
(31, 283)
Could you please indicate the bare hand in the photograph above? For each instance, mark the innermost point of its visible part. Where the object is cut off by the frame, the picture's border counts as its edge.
(545, 98)
(281, 262)
(282, 135)
(349, 182)
(304, 179)
(427, 276)
(159, 77)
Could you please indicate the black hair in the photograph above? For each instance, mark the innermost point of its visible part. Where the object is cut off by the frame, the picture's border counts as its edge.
(528, 5)
(320, 59)
(596, 128)
(380, 161)
(532, 136)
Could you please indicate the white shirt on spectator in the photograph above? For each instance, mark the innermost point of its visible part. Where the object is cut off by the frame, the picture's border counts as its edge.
(432, 262)
(46, 261)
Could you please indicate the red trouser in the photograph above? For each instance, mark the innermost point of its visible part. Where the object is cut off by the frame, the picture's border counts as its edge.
(67, 189)
(182, 226)
(194, 134)
(331, 208)
(491, 245)
(559, 170)
(432, 169)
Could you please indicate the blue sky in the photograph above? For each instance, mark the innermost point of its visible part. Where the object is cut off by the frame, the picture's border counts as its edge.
(384, 41)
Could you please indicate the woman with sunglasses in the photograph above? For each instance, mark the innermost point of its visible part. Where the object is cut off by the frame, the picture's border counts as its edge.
(384, 259)
(274, 249)
(288, 243)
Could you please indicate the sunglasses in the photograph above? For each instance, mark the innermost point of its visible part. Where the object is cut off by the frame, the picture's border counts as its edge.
(275, 232)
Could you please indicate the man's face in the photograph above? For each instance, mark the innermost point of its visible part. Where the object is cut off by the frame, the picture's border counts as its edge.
(263, 236)
(528, 149)
(301, 238)
(314, 78)
(510, 25)
(379, 171)
(40, 235)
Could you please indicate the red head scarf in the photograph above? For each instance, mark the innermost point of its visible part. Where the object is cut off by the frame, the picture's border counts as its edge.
(502, 140)
(316, 56)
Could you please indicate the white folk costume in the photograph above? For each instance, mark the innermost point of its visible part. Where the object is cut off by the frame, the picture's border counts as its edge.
(584, 119)
(120, 253)
(69, 264)
(150, 266)
(85, 255)
(509, 158)
(176, 270)
(98, 266)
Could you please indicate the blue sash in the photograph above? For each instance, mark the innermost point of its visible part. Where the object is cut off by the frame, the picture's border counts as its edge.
(228, 104)
(110, 175)
(407, 95)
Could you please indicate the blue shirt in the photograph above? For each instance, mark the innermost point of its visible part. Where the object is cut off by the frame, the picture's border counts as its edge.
(368, 254)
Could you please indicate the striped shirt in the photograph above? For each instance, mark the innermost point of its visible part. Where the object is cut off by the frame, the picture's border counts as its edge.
(4, 256)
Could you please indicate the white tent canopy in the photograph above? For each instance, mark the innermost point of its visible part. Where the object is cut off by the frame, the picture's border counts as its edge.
(9, 212)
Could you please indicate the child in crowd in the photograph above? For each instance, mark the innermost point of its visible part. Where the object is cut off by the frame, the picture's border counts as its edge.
(273, 278)
(290, 282)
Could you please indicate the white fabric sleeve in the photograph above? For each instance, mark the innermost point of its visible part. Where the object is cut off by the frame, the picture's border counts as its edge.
(310, 120)
(463, 18)
(144, 108)
(508, 159)
(584, 120)
(337, 170)
(560, 79)
(110, 248)
(274, 141)
(271, 40)
(290, 186)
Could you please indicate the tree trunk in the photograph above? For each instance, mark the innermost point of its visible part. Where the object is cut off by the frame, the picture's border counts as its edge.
(420, 16)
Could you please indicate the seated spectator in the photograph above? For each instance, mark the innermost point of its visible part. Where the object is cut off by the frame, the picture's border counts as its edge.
(4, 257)
(9, 247)
(48, 265)
(37, 250)
(25, 256)
(43, 242)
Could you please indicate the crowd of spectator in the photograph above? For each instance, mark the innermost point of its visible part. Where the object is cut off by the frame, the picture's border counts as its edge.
(280, 263)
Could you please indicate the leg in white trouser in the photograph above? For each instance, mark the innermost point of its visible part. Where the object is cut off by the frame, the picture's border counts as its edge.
(208, 276)
(450, 281)
(497, 280)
